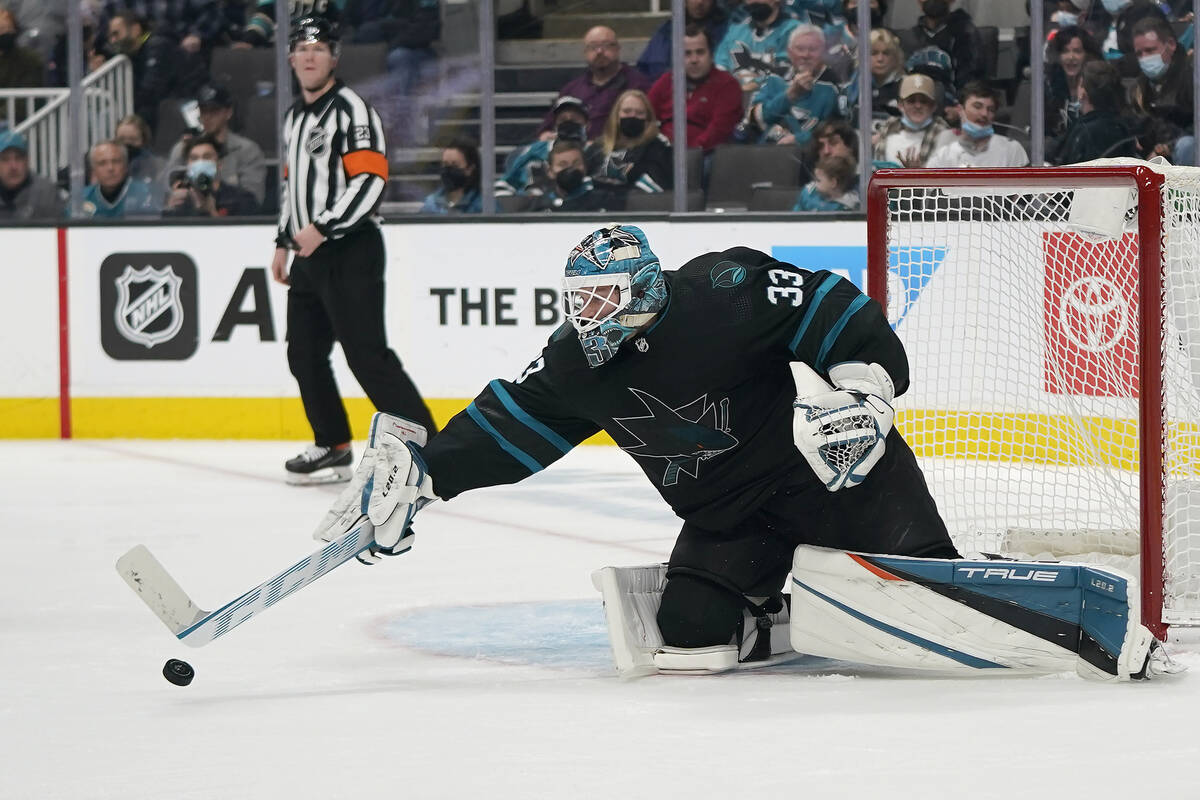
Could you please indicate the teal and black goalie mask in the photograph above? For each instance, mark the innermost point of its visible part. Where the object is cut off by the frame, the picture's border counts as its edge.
(612, 287)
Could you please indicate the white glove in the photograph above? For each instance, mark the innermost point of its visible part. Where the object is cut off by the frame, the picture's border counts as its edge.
(389, 486)
(841, 432)
(399, 487)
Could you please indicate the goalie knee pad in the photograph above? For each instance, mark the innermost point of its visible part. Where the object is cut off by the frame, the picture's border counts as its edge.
(695, 613)
(741, 632)
(966, 616)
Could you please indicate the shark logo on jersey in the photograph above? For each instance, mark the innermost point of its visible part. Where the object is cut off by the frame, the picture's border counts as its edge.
(684, 436)
(756, 64)
(617, 244)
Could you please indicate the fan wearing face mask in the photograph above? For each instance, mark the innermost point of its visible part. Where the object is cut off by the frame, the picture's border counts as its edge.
(755, 49)
(459, 189)
(909, 140)
(1115, 21)
(1164, 93)
(566, 185)
(978, 144)
(632, 154)
(526, 166)
(199, 190)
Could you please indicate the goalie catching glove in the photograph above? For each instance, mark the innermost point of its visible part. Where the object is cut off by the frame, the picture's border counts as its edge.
(390, 485)
(841, 431)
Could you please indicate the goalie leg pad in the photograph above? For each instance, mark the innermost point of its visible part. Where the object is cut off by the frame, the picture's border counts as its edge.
(632, 599)
(965, 616)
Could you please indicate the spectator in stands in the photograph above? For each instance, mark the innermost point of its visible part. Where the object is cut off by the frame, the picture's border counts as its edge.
(527, 165)
(979, 145)
(714, 99)
(910, 139)
(459, 192)
(242, 163)
(841, 40)
(833, 188)
(160, 67)
(632, 154)
(195, 25)
(603, 82)
(757, 48)
(955, 33)
(1101, 130)
(705, 14)
(20, 67)
(1069, 49)
(24, 195)
(787, 111)
(935, 62)
(408, 28)
(199, 190)
(567, 186)
(112, 195)
(134, 133)
(833, 137)
(887, 62)
(40, 27)
(1164, 93)
(1112, 22)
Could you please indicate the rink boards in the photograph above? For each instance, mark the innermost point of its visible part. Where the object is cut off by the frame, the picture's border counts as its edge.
(178, 332)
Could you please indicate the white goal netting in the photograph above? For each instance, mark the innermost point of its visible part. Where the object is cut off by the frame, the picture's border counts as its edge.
(1019, 309)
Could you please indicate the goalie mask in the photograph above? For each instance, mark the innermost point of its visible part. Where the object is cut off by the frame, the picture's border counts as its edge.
(613, 285)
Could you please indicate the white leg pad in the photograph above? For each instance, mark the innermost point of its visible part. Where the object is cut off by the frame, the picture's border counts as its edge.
(846, 606)
(631, 599)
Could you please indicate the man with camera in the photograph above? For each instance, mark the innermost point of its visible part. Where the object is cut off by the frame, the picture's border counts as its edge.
(242, 160)
(198, 191)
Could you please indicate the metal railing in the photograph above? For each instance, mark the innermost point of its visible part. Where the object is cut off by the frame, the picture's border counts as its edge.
(107, 97)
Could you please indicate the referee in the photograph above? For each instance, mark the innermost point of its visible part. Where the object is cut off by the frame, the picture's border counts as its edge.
(335, 176)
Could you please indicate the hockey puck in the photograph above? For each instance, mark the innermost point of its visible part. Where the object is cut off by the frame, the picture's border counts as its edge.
(178, 672)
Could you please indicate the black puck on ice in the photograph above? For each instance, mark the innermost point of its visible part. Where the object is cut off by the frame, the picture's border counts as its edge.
(178, 672)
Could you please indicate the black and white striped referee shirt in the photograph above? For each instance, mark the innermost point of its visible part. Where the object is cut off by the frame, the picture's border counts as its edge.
(336, 168)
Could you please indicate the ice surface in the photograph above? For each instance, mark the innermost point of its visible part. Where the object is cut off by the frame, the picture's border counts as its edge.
(474, 666)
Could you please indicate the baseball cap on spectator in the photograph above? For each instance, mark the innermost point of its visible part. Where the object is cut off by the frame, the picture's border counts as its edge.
(566, 101)
(918, 84)
(214, 96)
(11, 140)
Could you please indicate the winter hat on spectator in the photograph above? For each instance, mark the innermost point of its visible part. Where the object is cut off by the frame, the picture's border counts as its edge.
(567, 101)
(214, 96)
(934, 62)
(11, 140)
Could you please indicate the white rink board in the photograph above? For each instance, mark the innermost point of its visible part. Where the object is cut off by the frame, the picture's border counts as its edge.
(432, 270)
(29, 312)
(456, 359)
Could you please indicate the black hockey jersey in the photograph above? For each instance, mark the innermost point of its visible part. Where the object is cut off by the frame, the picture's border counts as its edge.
(702, 400)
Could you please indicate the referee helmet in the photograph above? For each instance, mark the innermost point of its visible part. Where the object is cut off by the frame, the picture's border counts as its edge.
(314, 29)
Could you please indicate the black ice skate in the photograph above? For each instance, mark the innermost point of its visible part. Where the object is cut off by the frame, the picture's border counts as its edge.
(320, 465)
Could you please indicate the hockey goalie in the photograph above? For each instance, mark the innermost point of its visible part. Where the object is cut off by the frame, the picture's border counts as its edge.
(756, 396)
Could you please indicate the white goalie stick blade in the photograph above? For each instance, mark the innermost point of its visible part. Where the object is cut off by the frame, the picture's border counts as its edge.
(196, 627)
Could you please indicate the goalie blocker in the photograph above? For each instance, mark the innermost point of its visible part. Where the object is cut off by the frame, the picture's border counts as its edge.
(945, 616)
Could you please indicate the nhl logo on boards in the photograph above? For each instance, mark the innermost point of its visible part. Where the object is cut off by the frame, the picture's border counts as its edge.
(148, 306)
(317, 143)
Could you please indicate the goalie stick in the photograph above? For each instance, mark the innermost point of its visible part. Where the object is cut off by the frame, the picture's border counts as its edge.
(196, 627)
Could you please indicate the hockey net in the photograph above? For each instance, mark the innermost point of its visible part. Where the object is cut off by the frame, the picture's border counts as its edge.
(1052, 323)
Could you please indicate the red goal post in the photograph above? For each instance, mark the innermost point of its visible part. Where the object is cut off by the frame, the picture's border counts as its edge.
(1052, 322)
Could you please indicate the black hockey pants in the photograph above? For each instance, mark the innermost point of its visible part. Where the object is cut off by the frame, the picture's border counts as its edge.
(337, 294)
